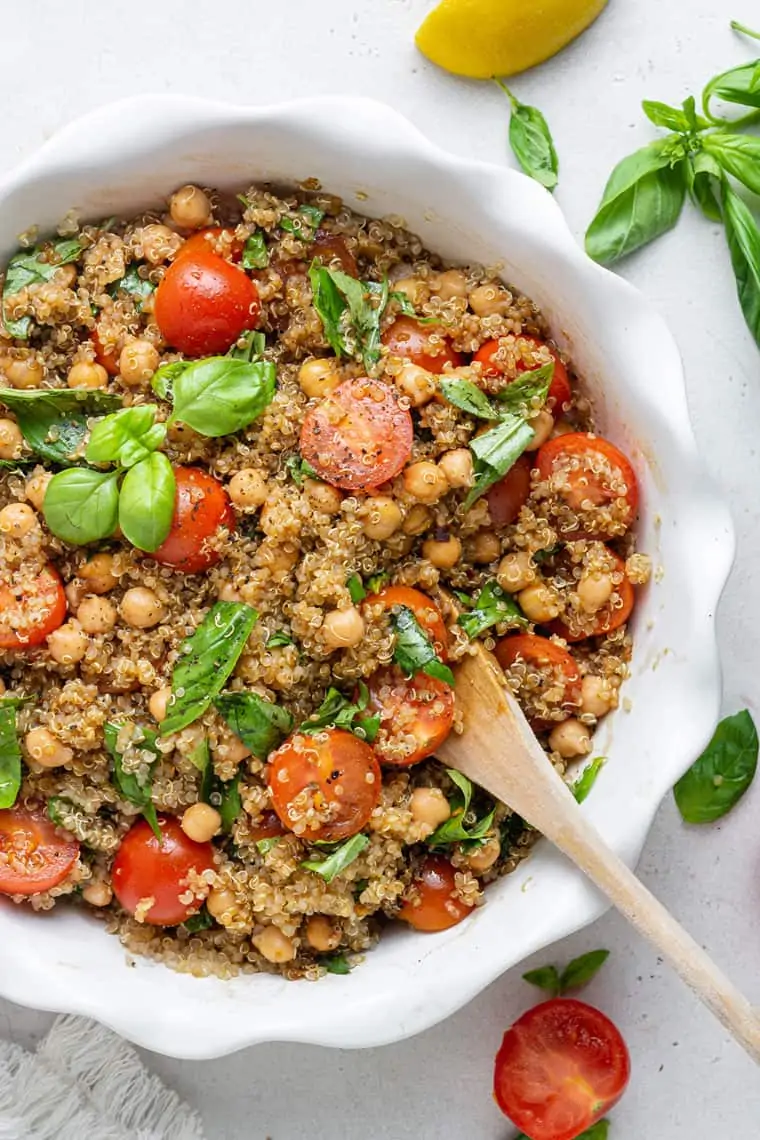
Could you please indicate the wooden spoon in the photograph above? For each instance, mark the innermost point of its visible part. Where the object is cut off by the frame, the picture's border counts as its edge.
(499, 751)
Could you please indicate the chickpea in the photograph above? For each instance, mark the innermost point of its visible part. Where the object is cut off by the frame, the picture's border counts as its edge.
(98, 573)
(190, 208)
(138, 361)
(96, 615)
(429, 806)
(36, 487)
(381, 517)
(417, 290)
(142, 608)
(425, 481)
(28, 372)
(158, 242)
(485, 547)
(322, 933)
(598, 697)
(248, 488)
(416, 384)
(318, 377)
(543, 426)
(539, 603)
(17, 519)
(87, 374)
(457, 467)
(489, 300)
(219, 902)
(67, 644)
(97, 894)
(571, 738)
(159, 703)
(483, 858)
(201, 822)
(322, 496)
(443, 553)
(274, 945)
(515, 572)
(417, 520)
(11, 440)
(342, 629)
(46, 749)
(594, 591)
(449, 284)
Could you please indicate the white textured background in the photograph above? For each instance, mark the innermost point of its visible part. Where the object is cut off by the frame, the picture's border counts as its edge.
(689, 1081)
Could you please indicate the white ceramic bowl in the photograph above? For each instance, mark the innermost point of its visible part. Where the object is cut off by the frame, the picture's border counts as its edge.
(130, 155)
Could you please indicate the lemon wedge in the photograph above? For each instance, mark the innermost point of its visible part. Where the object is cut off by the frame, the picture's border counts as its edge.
(481, 38)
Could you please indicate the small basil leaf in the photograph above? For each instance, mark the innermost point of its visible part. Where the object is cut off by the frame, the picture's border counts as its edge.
(546, 978)
(492, 607)
(704, 184)
(125, 437)
(260, 725)
(739, 155)
(255, 253)
(300, 469)
(221, 395)
(413, 651)
(200, 921)
(82, 506)
(598, 1131)
(280, 637)
(531, 141)
(671, 118)
(305, 223)
(59, 810)
(336, 964)
(743, 240)
(720, 777)
(28, 268)
(581, 970)
(206, 660)
(330, 305)
(126, 783)
(528, 390)
(10, 755)
(132, 283)
(587, 778)
(146, 502)
(375, 582)
(231, 804)
(356, 589)
(332, 866)
(54, 421)
(264, 846)
(350, 312)
(467, 396)
(200, 757)
(336, 711)
(495, 452)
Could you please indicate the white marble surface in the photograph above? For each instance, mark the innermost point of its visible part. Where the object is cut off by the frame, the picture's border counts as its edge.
(690, 1082)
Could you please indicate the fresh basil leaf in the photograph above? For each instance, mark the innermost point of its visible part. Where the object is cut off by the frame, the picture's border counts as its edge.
(125, 437)
(356, 589)
(164, 377)
(531, 141)
(718, 779)
(413, 651)
(300, 469)
(28, 268)
(375, 582)
(55, 421)
(305, 224)
(10, 755)
(542, 556)
(260, 725)
(662, 115)
(81, 506)
(587, 778)
(255, 252)
(527, 390)
(492, 607)
(251, 348)
(206, 660)
(126, 783)
(336, 711)
(221, 395)
(279, 637)
(739, 85)
(330, 305)
(743, 240)
(231, 804)
(496, 451)
(457, 828)
(339, 859)
(264, 846)
(546, 978)
(704, 177)
(642, 199)
(467, 396)
(598, 1131)
(739, 155)
(146, 502)
(336, 964)
(200, 921)
(138, 287)
(581, 970)
(350, 319)
(406, 307)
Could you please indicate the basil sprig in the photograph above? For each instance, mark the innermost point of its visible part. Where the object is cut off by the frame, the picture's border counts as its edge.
(718, 779)
(575, 975)
(584, 783)
(339, 859)
(260, 725)
(126, 783)
(336, 711)
(413, 650)
(460, 827)
(206, 660)
(492, 606)
(219, 395)
(55, 421)
(531, 141)
(10, 754)
(351, 311)
(33, 267)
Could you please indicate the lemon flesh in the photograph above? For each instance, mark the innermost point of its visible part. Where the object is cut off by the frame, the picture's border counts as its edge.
(481, 38)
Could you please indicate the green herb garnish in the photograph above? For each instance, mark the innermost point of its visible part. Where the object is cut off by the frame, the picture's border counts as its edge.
(230, 805)
(27, 268)
(55, 421)
(531, 141)
(587, 778)
(718, 779)
(350, 311)
(260, 725)
(492, 606)
(576, 974)
(264, 846)
(336, 964)
(355, 587)
(200, 921)
(459, 828)
(413, 651)
(467, 396)
(219, 395)
(306, 222)
(339, 859)
(336, 711)
(133, 283)
(598, 1131)
(10, 754)
(299, 469)
(126, 783)
(279, 637)
(255, 252)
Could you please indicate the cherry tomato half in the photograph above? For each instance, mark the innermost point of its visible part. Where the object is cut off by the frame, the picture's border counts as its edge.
(359, 436)
(416, 715)
(109, 358)
(507, 497)
(592, 471)
(559, 389)
(561, 1067)
(30, 609)
(35, 855)
(433, 905)
(201, 509)
(145, 869)
(204, 303)
(426, 612)
(325, 785)
(208, 240)
(425, 345)
(609, 617)
(540, 653)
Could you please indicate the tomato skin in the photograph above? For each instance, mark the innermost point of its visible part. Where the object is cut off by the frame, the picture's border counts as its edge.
(437, 908)
(507, 497)
(204, 241)
(359, 436)
(319, 764)
(204, 303)
(559, 389)
(580, 445)
(144, 868)
(424, 609)
(424, 345)
(538, 651)
(201, 508)
(407, 708)
(46, 586)
(606, 619)
(28, 833)
(561, 1067)
(268, 827)
(109, 360)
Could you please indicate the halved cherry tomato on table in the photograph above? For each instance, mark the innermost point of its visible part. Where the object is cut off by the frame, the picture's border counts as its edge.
(324, 785)
(201, 509)
(561, 1067)
(507, 497)
(205, 241)
(559, 389)
(30, 609)
(427, 346)
(359, 436)
(35, 855)
(416, 715)
(204, 303)
(609, 617)
(109, 358)
(146, 869)
(426, 612)
(592, 471)
(433, 905)
(539, 652)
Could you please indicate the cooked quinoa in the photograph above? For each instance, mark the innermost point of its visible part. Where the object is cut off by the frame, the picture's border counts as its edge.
(339, 564)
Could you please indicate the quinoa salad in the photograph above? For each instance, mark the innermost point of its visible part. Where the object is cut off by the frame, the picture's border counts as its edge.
(268, 468)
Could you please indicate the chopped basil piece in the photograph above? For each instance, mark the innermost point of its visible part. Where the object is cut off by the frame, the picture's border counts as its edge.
(541, 556)
(376, 582)
(27, 268)
(264, 846)
(350, 319)
(299, 469)
(413, 651)
(493, 606)
(718, 779)
(576, 974)
(598, 1131)
(10, 754)
(201, 756)
(336, 964)
(231, 805)
(546, 978)
(495, 452)
(126, 783)
(457, 828)
(200, 921)
(336, 711)
(255, 253)
(305, 225)
(279, 637)
(340, 858)
(55, 421)
(527, 390)
(134, 284)
(260, 724)
(467, 396)
(249, 346)
(587, 778)
(356, 589)
(59, 810)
